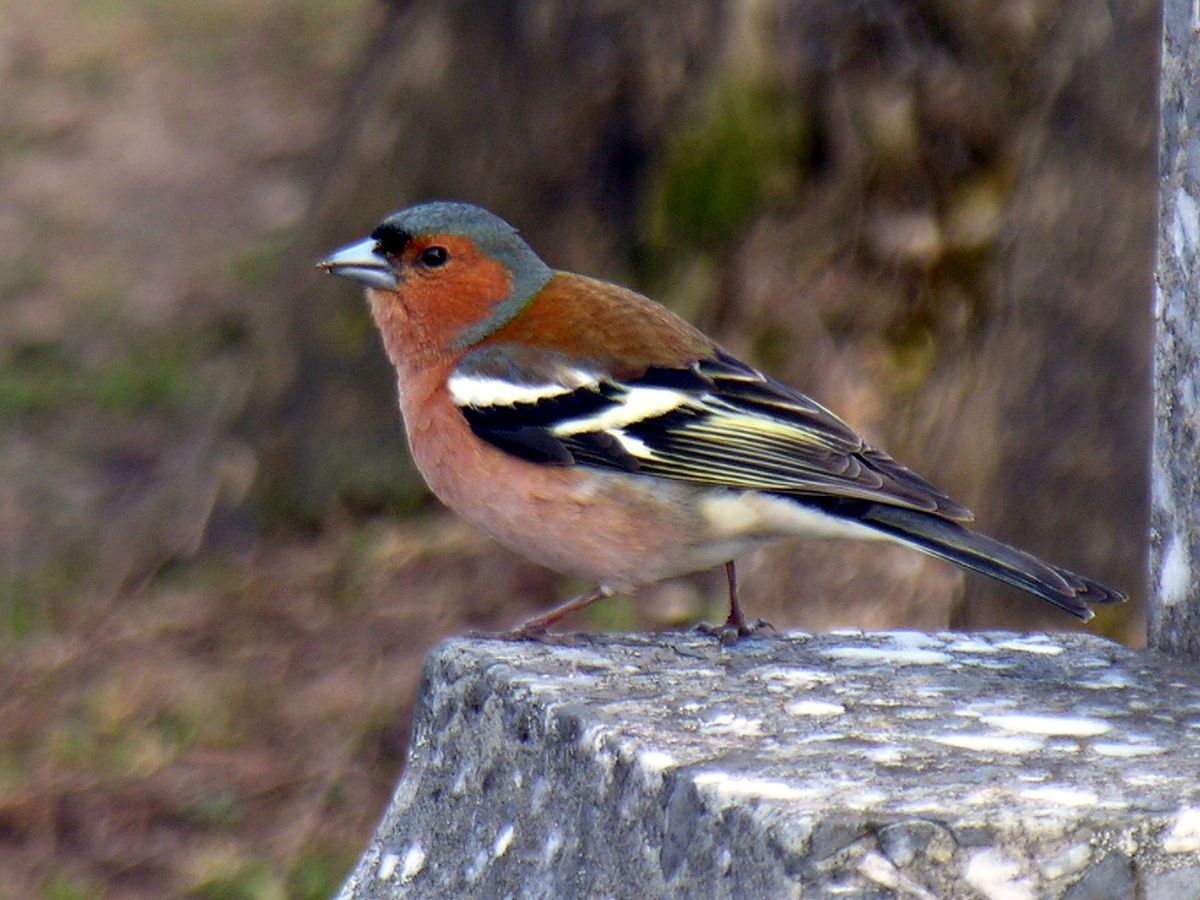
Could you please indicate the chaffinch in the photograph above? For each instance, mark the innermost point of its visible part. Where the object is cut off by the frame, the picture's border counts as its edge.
(588, 428)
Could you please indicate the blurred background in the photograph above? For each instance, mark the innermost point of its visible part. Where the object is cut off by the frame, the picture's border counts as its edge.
(219, 573)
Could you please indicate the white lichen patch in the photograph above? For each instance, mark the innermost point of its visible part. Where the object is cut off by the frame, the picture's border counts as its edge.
(581, 659)
(655, 761)
(1058, 796)
(387, 866)
(885, 756)
(503, 841)
(899, 657)
(727, 786)
(1065, 726)
(1184, 836)
(970, 645)
(1110, 680)
(414, 862)
(593, 738)
(1107, 748)
(1043, 648)
(814, 708)
(823, 738)
(554, 842)
(728, 723)
(1185, 225)
(1064, 745)
(879, 869)
(538, 793)
(778, 678)
(1144, 779)
(1069, 861)
(865, 799)
(914, 640)
(477, 867)
(990, 743)
(1175, 576)
(998, 877)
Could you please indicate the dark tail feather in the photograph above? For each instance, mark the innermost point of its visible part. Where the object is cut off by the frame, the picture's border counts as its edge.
(950, 541)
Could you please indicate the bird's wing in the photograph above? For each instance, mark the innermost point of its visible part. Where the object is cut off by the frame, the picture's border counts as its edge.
(715, 422)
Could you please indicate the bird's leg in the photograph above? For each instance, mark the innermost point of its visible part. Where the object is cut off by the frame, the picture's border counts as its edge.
(736, 627)
(535, 628)
(736, 619)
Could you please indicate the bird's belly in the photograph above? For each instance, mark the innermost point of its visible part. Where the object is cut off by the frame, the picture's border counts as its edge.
(618, 529)
(615, 529)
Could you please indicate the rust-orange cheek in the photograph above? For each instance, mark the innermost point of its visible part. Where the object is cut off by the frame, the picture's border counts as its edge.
(437, 305)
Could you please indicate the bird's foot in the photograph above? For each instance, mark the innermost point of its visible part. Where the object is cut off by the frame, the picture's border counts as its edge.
(731, 632)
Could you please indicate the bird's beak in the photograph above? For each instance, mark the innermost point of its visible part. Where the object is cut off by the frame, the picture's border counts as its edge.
(361, 262)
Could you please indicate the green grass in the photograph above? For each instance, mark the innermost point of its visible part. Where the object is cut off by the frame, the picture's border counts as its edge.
(250, 879)
(147, 374)
(61, 885)
(317, 873)
(746, 148)
(222, 810)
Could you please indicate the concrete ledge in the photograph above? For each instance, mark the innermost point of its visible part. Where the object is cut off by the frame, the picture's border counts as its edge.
(897, 764)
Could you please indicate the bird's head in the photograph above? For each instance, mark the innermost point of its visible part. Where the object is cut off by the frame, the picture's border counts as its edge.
(451, 263)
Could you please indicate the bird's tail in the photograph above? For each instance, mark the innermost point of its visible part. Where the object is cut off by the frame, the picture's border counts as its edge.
(950, 541)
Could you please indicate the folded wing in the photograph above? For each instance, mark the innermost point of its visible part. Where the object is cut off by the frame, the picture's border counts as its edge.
(715, 422)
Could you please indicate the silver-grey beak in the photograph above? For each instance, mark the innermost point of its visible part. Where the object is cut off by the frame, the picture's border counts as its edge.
(361, 262)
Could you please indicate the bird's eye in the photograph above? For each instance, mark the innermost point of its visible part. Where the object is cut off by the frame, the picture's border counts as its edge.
(433, 257)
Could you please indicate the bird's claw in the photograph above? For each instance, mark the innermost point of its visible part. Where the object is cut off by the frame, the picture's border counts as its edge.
(730, 633)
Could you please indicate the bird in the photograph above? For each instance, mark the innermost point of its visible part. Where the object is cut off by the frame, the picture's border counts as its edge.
(592, 430)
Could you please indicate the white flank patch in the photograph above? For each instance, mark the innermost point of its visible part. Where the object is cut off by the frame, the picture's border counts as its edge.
(638, 405)
(757, 515)
(469, 390)
(1050, 725)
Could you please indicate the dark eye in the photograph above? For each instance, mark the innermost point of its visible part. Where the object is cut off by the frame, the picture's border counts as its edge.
(433, 257)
